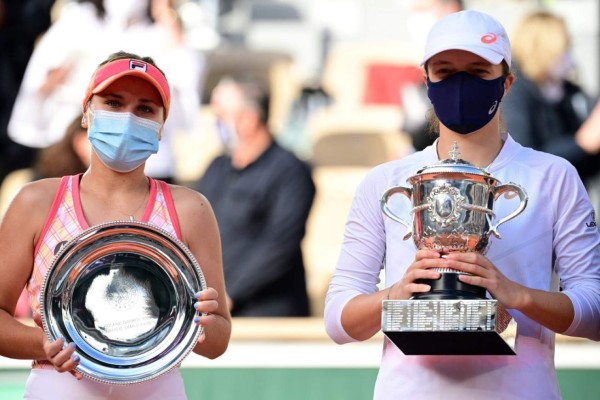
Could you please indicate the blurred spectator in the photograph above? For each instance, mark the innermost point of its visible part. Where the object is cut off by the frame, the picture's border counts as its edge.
(546, 109)
(21, 23)
(294, 135)
(69, 156)
(423, 14)
(415, 104)
(82, 35)
(261, 195)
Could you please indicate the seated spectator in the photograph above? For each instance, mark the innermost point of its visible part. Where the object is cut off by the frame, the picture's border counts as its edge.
(546, 108)
(262, 195)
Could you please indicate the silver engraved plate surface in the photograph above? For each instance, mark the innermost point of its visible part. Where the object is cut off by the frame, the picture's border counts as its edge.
(444, 327)
(440, 315)
(124, 293)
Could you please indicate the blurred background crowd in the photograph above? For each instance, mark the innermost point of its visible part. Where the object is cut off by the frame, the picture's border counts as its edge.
(335, 85)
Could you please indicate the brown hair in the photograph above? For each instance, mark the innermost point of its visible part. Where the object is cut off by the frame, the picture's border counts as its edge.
(61, 159)
(120, 55)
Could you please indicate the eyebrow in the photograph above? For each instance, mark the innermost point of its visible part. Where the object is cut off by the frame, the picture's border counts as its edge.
(119, 97)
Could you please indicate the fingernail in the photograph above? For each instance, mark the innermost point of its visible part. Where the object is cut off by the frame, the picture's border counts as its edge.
(196, 305)
(197, 319)
(197, 295)
(75, 357)
(73, 345)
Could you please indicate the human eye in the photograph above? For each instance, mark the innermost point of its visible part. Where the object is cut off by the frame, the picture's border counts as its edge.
(441, 73)
(481, 72)
(145, 109)
(113, 103)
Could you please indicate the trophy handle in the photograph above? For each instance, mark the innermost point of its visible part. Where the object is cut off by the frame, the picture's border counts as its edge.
(386, 210)
(507, 188)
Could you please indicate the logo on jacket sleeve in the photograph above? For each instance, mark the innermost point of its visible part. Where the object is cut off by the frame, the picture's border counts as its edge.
(592, 224)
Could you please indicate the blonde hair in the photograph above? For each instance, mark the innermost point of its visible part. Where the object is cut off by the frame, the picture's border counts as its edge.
(539, 40)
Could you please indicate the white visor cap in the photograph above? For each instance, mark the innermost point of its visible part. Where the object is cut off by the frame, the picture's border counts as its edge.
(471, 31)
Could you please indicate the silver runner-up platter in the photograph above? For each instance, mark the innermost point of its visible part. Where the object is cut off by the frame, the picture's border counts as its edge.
(452, 211)
(123, 292)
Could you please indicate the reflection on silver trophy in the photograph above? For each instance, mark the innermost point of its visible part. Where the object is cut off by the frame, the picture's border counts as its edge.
(452, 211)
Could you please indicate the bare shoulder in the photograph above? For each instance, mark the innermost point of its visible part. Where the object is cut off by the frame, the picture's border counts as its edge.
(36, 196)
(188, 197)
(196, 218)
(191, 204)
(30, 206)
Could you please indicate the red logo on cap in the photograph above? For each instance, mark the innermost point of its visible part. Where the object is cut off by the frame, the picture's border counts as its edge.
(489, 38)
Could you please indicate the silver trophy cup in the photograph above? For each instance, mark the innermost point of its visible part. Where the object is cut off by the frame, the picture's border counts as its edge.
(452, 211)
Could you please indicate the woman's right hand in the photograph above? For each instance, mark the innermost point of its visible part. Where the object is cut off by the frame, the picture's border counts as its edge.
(59, 353)
(62, 356)
(406, 287)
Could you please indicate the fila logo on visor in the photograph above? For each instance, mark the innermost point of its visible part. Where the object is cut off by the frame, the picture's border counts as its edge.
(141, 66)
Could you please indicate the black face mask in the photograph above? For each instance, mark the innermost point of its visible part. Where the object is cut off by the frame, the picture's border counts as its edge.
(465, 103)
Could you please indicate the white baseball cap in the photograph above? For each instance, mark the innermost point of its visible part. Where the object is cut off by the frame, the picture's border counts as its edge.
(472, 31)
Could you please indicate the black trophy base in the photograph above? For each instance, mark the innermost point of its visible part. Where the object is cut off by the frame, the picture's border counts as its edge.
(448, 287)
(450, 343)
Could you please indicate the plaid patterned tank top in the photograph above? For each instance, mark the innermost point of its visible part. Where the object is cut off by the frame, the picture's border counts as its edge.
(66, 220)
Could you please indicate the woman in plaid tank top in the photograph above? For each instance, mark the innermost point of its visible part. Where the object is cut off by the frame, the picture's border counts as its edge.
(125, 107)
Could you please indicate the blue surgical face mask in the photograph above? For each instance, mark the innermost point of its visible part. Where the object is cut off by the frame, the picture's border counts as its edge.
(465, 103)
(122, 140)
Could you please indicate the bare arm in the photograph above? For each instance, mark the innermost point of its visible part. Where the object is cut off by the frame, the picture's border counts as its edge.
(19, 231)
(587, 136)
(200, 233)
(17, 236)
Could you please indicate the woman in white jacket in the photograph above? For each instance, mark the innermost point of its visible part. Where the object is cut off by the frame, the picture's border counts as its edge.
(545, 270)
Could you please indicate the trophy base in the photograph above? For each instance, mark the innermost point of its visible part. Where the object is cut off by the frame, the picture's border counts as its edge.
(447, 327)
(448, 287)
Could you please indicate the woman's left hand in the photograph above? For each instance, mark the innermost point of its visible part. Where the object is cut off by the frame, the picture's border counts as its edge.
(485, 274)
(206, 304)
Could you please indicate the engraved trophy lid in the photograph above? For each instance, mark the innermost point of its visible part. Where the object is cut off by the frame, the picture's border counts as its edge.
(454, 164)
